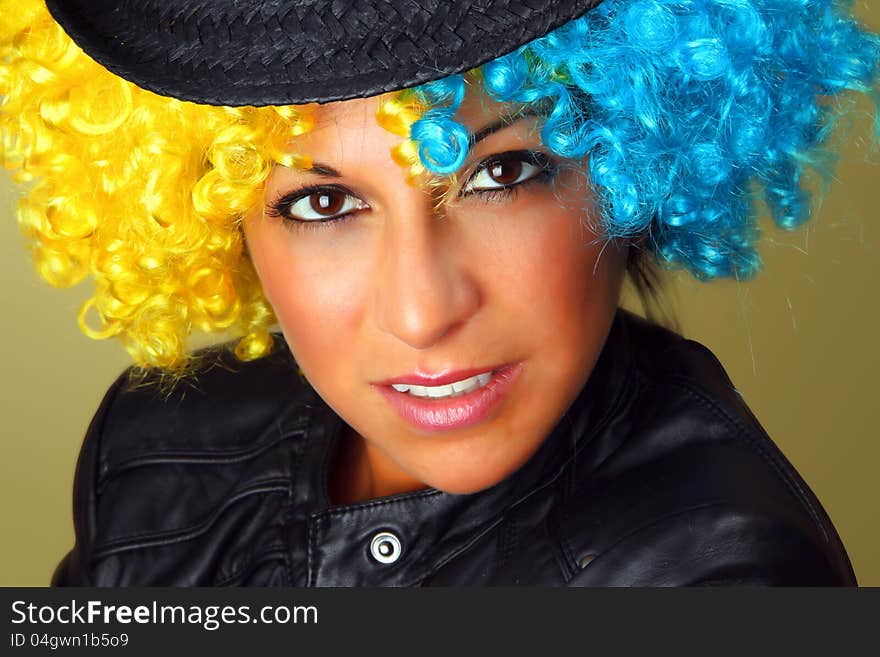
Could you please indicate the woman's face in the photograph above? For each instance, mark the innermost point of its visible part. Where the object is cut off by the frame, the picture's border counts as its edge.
(505, 291)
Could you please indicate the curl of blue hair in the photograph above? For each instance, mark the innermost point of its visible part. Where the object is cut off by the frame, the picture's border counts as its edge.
(443, 142)
(684, 112)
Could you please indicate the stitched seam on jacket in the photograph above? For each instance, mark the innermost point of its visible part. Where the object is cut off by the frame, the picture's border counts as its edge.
(273, 552)
(159, 538)
(327, 455)
(295, 470)
(92, 509)
(562, 553)
(297, 459)
(433, 568)
(643, 527)
(567, 547)
(626, 394)
(621, 403)
(225, 454)
(640, 382)
(393, 499)
(508, 537)
(311, 557)
(755, 442)
(250, 558)
(192, 457)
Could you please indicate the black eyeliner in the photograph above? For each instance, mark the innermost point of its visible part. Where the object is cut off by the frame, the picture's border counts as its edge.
(280, 206)
(547, 164)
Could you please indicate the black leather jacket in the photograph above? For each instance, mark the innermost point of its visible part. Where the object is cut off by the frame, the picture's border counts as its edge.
(658, 474)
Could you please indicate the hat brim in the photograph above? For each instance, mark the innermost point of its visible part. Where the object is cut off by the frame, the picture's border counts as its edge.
(279, 52)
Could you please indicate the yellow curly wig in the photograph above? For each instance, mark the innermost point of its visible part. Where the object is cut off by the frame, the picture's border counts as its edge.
(145, 193)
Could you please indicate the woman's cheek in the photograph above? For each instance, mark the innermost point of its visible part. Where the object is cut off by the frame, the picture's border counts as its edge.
(318, 299)
(318, 302)
(543, 256)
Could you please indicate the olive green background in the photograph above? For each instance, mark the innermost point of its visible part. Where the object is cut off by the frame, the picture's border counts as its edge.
(800, 342)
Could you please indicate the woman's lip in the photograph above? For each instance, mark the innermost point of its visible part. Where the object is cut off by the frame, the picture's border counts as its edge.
(441, 379)
(453, 412)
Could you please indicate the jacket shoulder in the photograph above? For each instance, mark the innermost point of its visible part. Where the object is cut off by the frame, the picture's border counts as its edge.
(215, 409)
(694, 491)
(156, 466)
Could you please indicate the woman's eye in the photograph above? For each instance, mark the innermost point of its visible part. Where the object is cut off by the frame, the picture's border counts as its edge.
(506, 170)
(320, 204)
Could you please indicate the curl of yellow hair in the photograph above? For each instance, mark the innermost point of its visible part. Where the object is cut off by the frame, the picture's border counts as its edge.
(396, 115)
(144, 193)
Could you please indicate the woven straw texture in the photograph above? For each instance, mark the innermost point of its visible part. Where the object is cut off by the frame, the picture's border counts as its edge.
(278, 52)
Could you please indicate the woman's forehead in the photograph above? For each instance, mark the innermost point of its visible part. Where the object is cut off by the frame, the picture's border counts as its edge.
(476, 110)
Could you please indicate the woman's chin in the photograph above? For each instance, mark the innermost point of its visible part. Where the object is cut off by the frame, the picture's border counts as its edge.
(467, 481)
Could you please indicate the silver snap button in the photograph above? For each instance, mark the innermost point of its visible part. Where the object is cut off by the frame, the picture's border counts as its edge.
(585, 560)
(385, 547)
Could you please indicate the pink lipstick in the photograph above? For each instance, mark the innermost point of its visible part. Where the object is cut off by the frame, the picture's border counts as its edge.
(462, 409)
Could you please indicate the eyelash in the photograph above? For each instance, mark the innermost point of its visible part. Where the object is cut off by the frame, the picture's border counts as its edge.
(280, 208)
(547, 169)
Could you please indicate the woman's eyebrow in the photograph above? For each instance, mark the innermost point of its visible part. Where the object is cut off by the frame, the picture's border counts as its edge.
(494, 127)
(323, 170)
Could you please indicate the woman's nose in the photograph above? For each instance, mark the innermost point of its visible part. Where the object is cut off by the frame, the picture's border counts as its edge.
(423, 291)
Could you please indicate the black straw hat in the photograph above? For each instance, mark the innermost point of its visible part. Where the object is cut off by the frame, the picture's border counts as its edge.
(286, 52)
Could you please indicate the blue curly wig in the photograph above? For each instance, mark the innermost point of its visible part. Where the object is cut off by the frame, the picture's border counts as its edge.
(681, 105)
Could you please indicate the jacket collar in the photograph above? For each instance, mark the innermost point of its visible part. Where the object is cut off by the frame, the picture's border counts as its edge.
(434, 526)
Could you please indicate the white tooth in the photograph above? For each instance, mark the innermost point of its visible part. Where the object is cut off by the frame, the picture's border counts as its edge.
(465, 385)
(454, 389)
(439, 391)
